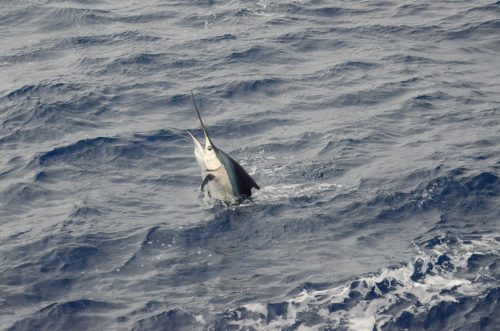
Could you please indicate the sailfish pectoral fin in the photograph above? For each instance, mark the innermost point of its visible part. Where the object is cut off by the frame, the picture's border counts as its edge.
(207, 179)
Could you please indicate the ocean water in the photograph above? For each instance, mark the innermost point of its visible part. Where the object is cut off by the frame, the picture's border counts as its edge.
(372, 128)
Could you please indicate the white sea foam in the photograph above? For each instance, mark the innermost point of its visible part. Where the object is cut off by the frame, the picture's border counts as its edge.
(364, 303)
(290, 191)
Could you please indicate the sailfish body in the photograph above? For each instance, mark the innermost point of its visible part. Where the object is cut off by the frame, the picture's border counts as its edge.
(224, 179)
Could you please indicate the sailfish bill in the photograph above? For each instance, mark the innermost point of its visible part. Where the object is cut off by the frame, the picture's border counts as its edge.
(224, 179)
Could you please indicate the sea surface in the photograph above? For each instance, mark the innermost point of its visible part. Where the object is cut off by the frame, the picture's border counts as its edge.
(372, 128)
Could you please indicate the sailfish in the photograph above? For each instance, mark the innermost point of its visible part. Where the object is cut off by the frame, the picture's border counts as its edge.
(224, 179)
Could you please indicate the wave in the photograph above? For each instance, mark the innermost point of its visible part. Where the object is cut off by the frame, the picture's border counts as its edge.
(174, 319)
(108, 39)
(481, 30)
(48, 49)
(257, 54)
(56, 18)
(267, 86)
(44, 89)
(147, 17)
(311, 41)
(64, 108)
(133, 64)
(449, 193)
(220, 38)
(425, 101)
(450, 283)
(331, 11)
(108, 150)
(245, 127)
(81, 313)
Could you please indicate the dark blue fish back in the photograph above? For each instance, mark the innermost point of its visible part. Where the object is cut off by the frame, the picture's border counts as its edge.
(240, 179)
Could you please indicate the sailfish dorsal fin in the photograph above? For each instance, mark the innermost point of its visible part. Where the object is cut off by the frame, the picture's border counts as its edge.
(240, 179)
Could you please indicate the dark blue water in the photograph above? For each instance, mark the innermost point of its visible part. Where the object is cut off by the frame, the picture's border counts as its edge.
(372, 128)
